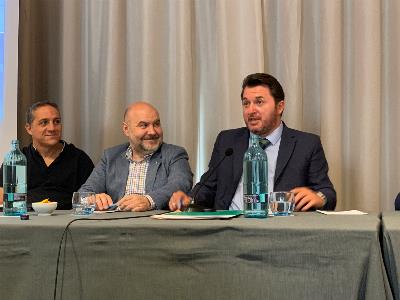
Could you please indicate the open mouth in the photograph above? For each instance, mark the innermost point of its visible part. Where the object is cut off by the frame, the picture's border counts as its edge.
(253, 120)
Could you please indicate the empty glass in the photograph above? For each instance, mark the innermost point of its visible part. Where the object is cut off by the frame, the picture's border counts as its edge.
(83, 203)
(281, 203)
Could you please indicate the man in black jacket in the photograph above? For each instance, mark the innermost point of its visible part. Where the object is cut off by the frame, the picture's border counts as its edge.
(55, 168)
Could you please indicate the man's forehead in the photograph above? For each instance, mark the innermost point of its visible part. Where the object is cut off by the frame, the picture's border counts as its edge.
(46, 112)
(256, 91)
(148, 120)
(143, 116)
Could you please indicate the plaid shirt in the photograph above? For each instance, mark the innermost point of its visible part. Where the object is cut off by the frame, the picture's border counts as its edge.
(136, 183)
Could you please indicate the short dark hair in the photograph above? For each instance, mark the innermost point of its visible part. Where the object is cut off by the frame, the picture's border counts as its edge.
(267, 80)
(31, 109)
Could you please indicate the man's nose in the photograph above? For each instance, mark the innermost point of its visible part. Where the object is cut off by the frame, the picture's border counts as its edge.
(51, 126)
(151, 130)
(251, 108)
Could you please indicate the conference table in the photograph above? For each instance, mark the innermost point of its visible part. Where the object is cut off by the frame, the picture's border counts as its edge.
(306, 256)
(391, 249)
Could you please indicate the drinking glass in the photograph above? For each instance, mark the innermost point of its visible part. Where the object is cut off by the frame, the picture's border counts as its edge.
(281, 203)
(83, 203)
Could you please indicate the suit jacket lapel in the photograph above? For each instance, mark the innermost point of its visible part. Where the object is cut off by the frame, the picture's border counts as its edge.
(242, 143)
(286, 148)
(154, 164)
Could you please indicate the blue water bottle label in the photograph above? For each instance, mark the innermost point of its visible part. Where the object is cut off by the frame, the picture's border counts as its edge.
(252, 198)
(19, 197)
(11, 197)
(255, 206)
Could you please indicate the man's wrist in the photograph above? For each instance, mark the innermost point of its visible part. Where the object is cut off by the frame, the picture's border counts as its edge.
(323, 197)
(151, 202)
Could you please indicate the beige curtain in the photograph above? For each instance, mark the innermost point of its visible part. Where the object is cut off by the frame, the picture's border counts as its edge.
(337, 60)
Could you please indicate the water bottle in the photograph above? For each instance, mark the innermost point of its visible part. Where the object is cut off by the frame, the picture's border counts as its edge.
(14, 181)
(255, 180)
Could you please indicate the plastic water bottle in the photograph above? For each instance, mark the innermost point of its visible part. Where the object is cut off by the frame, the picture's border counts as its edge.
(14, 181)
(255, 180)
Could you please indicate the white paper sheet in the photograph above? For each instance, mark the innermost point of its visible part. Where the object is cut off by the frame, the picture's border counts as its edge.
(352, 212)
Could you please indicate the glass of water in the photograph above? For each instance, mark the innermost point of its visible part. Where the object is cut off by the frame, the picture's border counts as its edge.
(83, 203)
(281, 203)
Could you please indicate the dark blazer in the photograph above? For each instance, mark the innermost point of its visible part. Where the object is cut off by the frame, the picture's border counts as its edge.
(397, 202)
(168, 172)
(301, 162)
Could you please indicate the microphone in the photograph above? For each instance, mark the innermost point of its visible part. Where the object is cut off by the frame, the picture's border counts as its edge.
(195, 207)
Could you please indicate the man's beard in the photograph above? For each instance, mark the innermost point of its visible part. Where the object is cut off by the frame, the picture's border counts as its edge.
(145, 150)
(267, 129)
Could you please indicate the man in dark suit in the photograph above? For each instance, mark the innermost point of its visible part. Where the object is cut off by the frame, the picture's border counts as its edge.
(296, 160)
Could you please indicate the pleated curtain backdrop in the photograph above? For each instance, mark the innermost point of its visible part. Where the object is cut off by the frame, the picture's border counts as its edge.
(337, 60)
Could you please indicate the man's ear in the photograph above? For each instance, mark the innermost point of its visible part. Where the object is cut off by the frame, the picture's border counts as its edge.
(125, 129)
(281, 106)
(28, 128)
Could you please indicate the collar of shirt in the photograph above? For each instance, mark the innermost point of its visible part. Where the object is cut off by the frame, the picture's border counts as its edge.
(62, 149)
(129, 152)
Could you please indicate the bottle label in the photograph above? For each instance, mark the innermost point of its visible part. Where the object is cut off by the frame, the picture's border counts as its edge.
(11, 197)
(252, 198)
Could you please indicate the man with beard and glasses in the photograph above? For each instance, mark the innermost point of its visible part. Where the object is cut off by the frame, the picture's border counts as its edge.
(143, 173)
(296, 160)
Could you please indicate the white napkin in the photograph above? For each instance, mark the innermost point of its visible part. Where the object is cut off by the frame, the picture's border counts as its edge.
(353, 212)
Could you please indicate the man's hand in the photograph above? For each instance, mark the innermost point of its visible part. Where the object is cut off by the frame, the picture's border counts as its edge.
(134, 202)
(179, 201)
(103, 201)
(305, 199)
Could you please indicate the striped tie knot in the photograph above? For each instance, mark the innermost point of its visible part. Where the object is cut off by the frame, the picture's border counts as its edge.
(264, 143)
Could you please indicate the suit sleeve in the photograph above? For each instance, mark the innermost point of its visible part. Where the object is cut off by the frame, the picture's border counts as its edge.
(206, 189)
(180, 177)
(318, 178)
(97, 179)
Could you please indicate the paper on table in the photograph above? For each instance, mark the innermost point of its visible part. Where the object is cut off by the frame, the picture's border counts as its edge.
(224, 214)
(353, 212)
(105, 211)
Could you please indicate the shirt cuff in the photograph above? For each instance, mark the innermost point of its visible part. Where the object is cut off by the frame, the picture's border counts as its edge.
(323, 197)
(152, 203)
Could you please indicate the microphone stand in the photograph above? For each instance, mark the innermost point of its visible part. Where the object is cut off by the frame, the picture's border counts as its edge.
(193, 207)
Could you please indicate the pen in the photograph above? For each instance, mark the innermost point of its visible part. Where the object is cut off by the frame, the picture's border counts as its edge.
(180, 204)
(113, 206)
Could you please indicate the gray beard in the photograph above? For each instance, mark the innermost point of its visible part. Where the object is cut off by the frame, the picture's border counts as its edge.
(145, 151)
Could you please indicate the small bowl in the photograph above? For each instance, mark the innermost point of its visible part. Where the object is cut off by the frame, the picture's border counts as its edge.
(44, 209)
